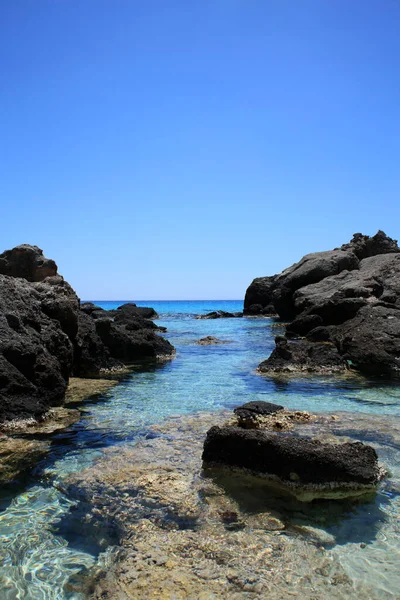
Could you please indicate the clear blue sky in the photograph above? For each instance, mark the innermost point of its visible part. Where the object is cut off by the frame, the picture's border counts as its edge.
(170, 149)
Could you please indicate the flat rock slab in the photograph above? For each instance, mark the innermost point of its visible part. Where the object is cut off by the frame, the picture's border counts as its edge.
(307, 468)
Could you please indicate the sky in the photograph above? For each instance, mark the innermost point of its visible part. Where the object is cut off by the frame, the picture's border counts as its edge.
(166, 149)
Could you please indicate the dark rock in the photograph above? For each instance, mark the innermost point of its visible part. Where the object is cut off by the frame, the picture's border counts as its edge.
(371, 340)
(210, 340)
(91, 356)
(256, 407)
(45, 337)
(125, 312)
(258, 294)
(364, 246)
(269, 311)
(130, 346)
(36, 355)
(27, 262)
(319, 334)
(327, 293)
(220, 314)
(303, 324)
(254, 309)
(311, 460)
(296, 461)
(303, 356)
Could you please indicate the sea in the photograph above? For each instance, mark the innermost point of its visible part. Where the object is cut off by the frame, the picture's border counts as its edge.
(38, 557)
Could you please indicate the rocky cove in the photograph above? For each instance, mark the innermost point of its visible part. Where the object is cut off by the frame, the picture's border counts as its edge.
(108, 499)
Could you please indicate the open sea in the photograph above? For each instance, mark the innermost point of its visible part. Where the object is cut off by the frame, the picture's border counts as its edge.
(38, 556)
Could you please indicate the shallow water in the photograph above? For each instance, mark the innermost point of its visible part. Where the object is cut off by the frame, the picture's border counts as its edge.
(38, 556)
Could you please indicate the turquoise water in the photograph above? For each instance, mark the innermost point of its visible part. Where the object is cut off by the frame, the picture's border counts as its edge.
(38, 556)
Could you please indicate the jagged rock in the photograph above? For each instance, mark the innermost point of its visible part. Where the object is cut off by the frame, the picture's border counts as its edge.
(312, 268)
(329, 295)
(306, 468)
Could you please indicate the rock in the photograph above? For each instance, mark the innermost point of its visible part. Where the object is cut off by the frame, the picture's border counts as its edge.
(303, 356)
(258, 295)
(125, 311)
(328, 295)
(91, 356)
(312, 268)
(27, 262)
(303, 324)
(220, 314)
(306, 468)
(36, 355)
(257, 407)
(210, 340)
(45, 337)
(371, 340)
(128, 346)
(18, 456)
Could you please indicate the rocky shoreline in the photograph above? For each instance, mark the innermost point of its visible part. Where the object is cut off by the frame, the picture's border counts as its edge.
(47, 336)
(342, 307)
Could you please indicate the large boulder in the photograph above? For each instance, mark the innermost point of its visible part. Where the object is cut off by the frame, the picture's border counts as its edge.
(303, 467)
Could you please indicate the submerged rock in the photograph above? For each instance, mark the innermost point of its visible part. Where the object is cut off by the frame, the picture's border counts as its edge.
(210, 340)
(220, 314)
(306, 468)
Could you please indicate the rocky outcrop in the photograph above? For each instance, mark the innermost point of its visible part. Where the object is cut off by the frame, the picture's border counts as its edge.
(45, 336)
(348, 298)
(312, 268)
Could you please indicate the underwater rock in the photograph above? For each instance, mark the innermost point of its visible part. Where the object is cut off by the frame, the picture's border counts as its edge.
(210, 340)
(305, 468)
(220, 314)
